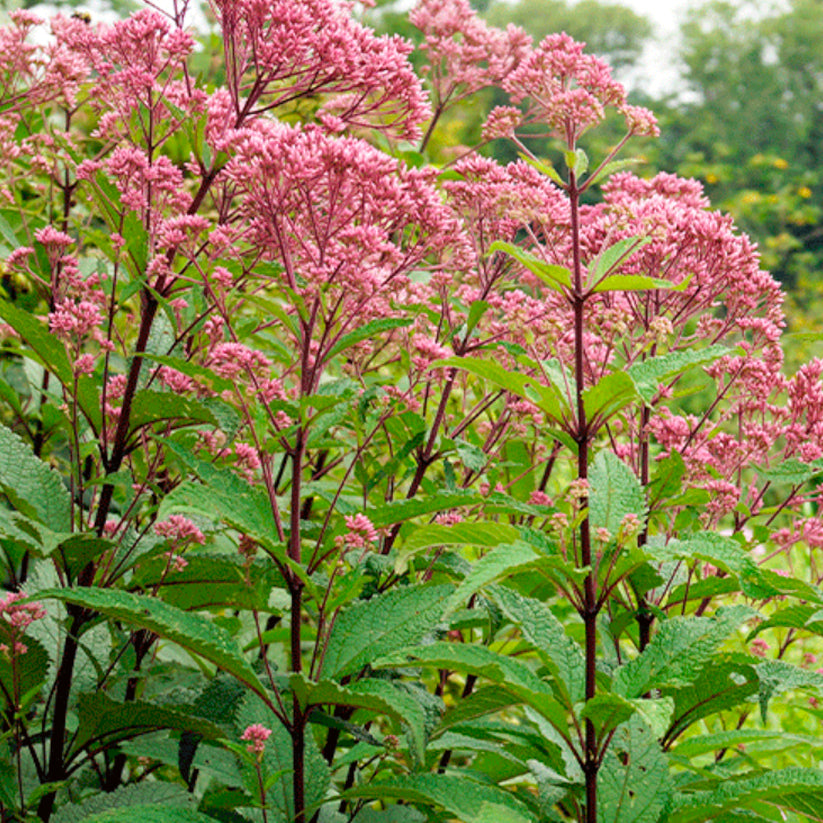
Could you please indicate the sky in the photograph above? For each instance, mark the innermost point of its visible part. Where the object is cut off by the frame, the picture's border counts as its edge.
(658, 73)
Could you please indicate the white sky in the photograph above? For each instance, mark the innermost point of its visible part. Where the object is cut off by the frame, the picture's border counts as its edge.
(658, 74)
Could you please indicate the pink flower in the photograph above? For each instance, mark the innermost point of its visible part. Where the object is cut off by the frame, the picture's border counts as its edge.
(258, 734)
(179, 530)
(361, 532)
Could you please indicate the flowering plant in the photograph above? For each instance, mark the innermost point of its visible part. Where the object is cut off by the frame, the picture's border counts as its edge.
(466, 493)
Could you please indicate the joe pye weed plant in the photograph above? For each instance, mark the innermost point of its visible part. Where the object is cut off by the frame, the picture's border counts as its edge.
(342, 482)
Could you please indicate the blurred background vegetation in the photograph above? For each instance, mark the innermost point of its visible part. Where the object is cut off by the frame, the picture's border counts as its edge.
(743, 113)
(741, 110)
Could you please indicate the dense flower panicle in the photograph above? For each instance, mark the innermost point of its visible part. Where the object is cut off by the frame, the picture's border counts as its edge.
(298, 48)
(465, 54)
(566, 89)
(804, 426)
(341, 217)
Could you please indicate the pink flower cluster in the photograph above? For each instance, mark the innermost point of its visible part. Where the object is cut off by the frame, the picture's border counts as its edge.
(179, 531)
(16, 618)
(257, 734)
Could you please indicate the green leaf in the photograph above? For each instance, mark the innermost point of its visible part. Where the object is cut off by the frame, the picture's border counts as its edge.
(612, 167)
(150, 813)
(278, 760)
(481, 702)
(379, 696)
(778, 676)
(612, 256)
(193, 632)
(636, 282)
(607, 711)
(103, 721)
(795, 790)
(633, 782)
(135, 795)
(791, 471)
(727, 682)
(31, 485)
(402, 510)
(29, 672)
(721, 551)
(376, 627)
(650, 373)
(499, 562)
(481, 661)
(711, 743)
(460, 534)
(51, 353)
(547, 398)
(545, 632)
(249, 511)
(367, 332)
(155, 406)
(557, 278)
(459, 796)
(679, 650)
(209, 581)
(609, 395)
(615, 492)
(544, 167)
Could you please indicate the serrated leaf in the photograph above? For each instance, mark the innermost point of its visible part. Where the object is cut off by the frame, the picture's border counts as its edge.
(31, 485)
(193, 632)
(379, 696)
(706, 743)
(612, 167)
(103, 720)
(249, 512)
(795, 789)
(679, 650)
(633, 782)
(778, 676)
(460, 534)
(515, 676)
(497, 563)
(607, 711)
(609, 395)
(376, 627)
(547, 398)
(541, 628)
(791, 471)
(209, 581)
(150, 813)
(151, 406)
(650, 373)
(557, 278)
(29, 671)
(402, 510)
(635, 282)
(278, 759)
(460, 796)
(367, 332)
(481, 702)
(615, 492)
(612, 256)
(136, 795)
(720, 551)
(727, 682)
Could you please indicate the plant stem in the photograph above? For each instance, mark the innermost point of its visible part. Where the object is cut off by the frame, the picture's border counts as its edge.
(581, 437)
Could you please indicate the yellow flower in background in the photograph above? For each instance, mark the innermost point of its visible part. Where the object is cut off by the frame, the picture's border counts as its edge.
(711, 178)
(780, 163)
(805, 192)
